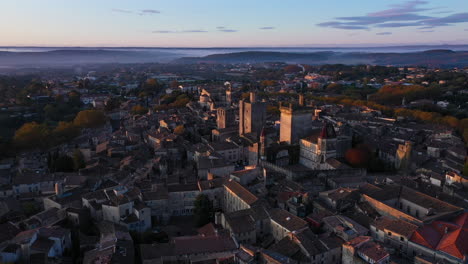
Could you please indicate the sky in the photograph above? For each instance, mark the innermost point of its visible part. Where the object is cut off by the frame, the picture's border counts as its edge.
(232, 23)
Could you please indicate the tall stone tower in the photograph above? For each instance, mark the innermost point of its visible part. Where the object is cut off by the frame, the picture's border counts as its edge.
(226, 117)
(252, 115)
(296, 121)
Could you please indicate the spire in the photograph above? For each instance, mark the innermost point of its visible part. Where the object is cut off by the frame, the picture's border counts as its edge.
(327, 131)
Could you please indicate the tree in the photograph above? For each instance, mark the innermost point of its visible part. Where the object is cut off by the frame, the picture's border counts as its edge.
(78, 160)
(179, 130)
(32, 135)
(90, 119)
(65, 131)
(174, 84)
(203, 211)
(358, 157)
(139, 110)
(292, 69)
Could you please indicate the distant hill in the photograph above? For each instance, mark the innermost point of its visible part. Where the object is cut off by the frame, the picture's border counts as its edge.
(69, 57)
(431, 58)
(75, 57)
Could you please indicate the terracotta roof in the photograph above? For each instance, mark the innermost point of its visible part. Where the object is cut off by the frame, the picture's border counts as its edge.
(448, 237)
(374, 251)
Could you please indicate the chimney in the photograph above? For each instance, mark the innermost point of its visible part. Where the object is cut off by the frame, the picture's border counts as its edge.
(301, 100)
(252, 97)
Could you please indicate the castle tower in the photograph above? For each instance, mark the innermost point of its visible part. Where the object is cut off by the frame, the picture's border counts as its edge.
(228, 93)
(225, 117)
(252, 115)
(296, 121)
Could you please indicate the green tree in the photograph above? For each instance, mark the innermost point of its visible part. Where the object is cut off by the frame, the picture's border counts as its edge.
(203, 211)
(90, 119)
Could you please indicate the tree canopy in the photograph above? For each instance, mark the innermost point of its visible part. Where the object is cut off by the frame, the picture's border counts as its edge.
(203, 211)
(90, 119)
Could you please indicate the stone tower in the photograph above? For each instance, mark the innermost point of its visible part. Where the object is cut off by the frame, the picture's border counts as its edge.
(225, 117)
(296, 121)
(252, 115)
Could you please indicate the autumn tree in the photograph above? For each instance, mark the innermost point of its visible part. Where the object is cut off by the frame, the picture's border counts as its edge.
(179, 130)
(90, 119)
(32, 135)
(292, 69)
(65, 131)
(139, 110)
(358, 156)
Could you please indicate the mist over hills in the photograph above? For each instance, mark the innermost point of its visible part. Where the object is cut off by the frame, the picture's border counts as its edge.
(444, 58)
(430, 58)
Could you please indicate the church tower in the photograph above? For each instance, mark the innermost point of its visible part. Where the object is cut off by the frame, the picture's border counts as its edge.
(326, 143)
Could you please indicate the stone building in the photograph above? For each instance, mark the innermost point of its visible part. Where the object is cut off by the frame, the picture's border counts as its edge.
(252, 116)
(297, 121)
(226, 117)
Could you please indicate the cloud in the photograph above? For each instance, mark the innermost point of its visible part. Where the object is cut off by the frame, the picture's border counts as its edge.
(426, 31)
(228, 30)
(399, 15)
(466, 29)
(267, 28)
(178, 31)
(194, 31)
(121, 11)
(164, 31)
(149, 12)
(383, 33)
(220, 27)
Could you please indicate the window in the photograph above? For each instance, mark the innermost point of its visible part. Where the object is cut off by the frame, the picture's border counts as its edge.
(402, 239)
(389, 233)
(408, 209)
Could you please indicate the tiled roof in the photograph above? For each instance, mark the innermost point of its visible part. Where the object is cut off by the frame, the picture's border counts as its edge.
(241, 192)
(448, 237)
(395, 225)
(287, 220)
